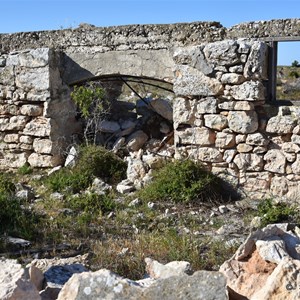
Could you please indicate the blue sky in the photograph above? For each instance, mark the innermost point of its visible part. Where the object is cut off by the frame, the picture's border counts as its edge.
(31, 15)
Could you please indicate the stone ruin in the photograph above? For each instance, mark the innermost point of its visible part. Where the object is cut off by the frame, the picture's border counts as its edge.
(222, 81)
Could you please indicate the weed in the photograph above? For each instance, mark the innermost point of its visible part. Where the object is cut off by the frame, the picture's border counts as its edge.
(25, 169)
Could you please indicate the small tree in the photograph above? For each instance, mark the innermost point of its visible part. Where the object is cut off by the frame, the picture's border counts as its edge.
(295, 63)
(94, 106)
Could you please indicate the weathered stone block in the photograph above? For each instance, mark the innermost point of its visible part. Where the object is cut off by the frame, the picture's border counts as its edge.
(225, 140)
(243, 121)
(222, 53)
(232, 78)
(249, 90)
(43, 146)
(275, 161)
(207, 154)
(34, 79)
(249, 162)
(196, 136)
(257, 139)
(256, 66)
(38, 127)
(217, 122)
(31, 110)
(191, 82)
(281, 124)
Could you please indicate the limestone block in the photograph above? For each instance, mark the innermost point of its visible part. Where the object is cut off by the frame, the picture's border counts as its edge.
(183, 111)
(256, 66)
(207, 154)
(225, 140)
(260, 149)
(44, 146)
(236, 69)
(194, 57)
(290, 147)
(9, 109)
(11, 138)
(257, 139)
(163, 108)
(236, 105)
(279, 186)
(290, 157)
(7, 76)
(35, 58)
(222, 53)
(240, 138)
(16, 123)
(217, 122)
(229, 155)
(206, 105)
(295, 139)
(39, 96)
(232, 78)
(296, 165)
(243, 121)
(255, 181)
(137, 140)
(283, 283)
(26, 139)
(33, 79)
(249, 161)
(195, 135)
(31, 110)
(244, 148)
(281, 124)
(13, 160)
(249, 90)
(275, 161)
(136, 169)
(191, 82)
(174, 268)
(15, 283)
(39, 126)
(37, 160)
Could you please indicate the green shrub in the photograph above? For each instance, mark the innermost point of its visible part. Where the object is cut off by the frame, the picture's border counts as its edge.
(272, 213)
(294, 74)
(182, 181)
(94, 161)
(91, 203)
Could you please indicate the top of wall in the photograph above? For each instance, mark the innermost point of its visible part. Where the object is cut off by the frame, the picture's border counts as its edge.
(163, 36)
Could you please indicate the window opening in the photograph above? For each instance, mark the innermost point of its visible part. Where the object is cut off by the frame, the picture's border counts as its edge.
(287, 77)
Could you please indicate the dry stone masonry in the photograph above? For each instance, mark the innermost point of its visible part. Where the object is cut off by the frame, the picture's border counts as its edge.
(220, 78)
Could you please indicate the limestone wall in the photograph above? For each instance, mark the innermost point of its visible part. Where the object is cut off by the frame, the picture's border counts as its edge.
(222, 118)
(36, 115)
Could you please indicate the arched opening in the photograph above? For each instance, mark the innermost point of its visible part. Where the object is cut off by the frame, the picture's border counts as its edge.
(140, 112)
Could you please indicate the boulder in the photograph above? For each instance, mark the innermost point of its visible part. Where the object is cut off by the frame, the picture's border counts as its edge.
(137, 140)
(104, 284)
(157, 270)
(163, 108)
(266, 265)
(15, 283)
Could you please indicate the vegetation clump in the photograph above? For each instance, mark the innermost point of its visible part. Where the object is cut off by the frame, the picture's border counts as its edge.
(184, 182)
(93, 161)
(272, 213)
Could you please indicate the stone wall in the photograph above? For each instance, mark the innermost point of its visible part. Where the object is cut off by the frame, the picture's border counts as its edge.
(222, 118)
(220, 78)
(36, 114)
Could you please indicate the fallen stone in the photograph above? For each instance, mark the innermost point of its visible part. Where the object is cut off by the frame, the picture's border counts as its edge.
(15, 283)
